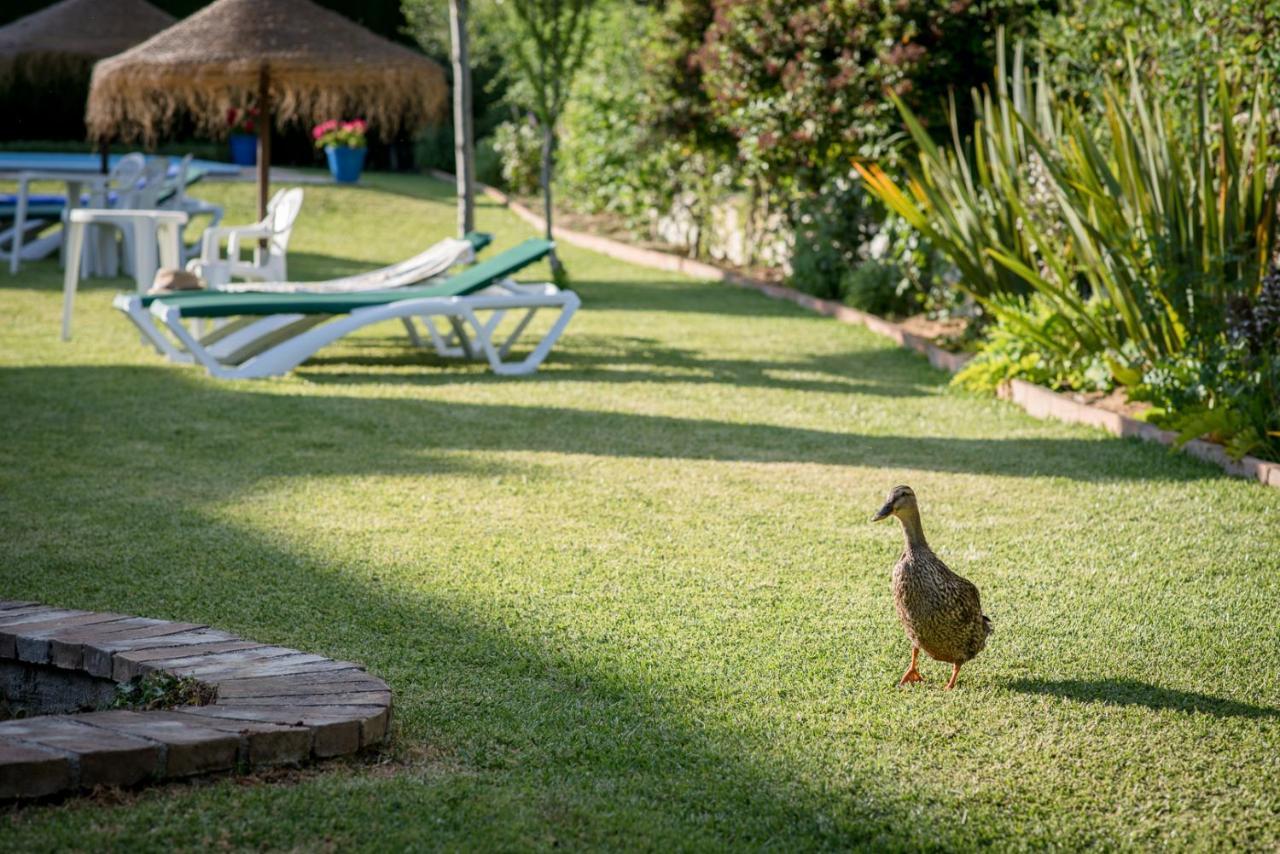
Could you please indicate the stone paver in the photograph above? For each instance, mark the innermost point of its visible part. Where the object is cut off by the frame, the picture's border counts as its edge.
(31, 771)
(67, 648)
(98, 655)
(138, 662)
(35, 615)
(189, 747)
(31, 641)
(301, 683)
(100, 757)
(261, 743)
(274, 705)
(355, 698)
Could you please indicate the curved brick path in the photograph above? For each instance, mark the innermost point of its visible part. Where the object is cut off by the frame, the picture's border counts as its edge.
(273, 705)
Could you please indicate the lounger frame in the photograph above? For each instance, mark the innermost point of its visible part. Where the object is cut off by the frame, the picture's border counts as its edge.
(461, 327)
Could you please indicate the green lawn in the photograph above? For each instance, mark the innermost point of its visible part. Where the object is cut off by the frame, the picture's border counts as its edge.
(635, 601)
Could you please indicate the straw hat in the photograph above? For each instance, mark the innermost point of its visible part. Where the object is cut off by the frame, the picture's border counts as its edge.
(64, 39)
(319, 65)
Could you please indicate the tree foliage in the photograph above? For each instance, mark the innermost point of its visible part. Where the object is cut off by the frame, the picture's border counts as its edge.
(802, 84)
(1086, 41)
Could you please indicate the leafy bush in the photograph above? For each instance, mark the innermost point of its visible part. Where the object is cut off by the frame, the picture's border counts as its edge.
(800, 84)
(518, 145)
(880, 288)
(488, 163)
(1228, 389)
(1008, 353)
(830, 226)
(606, 157)
(848, 248)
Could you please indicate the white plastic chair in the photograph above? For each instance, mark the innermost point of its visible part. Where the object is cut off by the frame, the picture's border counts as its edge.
(191, 206)
(103, 257)
(267, 266)
(145, 195)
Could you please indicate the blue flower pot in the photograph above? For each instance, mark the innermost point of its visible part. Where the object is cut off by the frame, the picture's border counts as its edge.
(244, 149)
(345, 163)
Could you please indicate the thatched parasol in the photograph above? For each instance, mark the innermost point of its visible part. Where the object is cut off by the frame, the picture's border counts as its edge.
(292, 59)
(64, 40)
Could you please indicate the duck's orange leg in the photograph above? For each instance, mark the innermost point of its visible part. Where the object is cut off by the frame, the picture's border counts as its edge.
(912, 675)
(955, 671)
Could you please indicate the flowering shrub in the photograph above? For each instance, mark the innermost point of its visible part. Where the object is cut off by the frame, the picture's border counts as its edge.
(801, 84)
(518, 144)
(340, 134)
(242, 121)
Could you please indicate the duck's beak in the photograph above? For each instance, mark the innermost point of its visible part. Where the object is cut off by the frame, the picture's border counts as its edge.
(886, 510)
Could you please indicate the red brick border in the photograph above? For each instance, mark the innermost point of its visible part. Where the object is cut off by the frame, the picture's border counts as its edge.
(272, 704)
(1038, 401)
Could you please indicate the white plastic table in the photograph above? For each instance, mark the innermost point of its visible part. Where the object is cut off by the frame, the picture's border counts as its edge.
(157, 237)
(74, 180)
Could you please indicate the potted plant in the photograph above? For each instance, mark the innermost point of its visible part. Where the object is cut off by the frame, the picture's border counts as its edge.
(244, 140)
(344, 147)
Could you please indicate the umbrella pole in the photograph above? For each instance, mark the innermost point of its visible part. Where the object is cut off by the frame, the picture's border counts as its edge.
(264, 139)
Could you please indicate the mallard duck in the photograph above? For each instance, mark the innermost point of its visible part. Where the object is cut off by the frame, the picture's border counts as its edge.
(939, 609)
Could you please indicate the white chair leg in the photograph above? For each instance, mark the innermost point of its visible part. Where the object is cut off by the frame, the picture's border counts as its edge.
(19, 226)
(414, 338)
(71, 275)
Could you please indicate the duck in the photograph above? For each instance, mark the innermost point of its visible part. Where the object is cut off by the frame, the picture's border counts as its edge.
(940, 611)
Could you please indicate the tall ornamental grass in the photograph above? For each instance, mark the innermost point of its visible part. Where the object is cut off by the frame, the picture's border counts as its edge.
(1138, 228)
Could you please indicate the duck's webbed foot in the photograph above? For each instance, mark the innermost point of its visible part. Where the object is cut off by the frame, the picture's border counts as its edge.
(951, 683)
(912, 675)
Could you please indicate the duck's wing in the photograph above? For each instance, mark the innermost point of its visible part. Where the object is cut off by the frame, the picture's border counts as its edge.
(968, 601)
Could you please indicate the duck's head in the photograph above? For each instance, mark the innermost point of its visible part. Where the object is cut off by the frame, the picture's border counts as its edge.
(901, 499)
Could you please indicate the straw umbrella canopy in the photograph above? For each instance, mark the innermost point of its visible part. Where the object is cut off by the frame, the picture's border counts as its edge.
(65, 39)
(291, 59)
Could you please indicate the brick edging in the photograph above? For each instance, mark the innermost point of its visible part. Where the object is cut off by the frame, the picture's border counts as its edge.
(1041, 402)
(1038, 401)
(273, 705)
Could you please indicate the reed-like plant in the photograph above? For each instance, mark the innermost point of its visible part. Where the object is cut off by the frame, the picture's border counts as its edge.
(1163, 218)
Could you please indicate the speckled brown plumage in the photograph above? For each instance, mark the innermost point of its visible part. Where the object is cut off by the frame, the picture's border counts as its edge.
(940, 611)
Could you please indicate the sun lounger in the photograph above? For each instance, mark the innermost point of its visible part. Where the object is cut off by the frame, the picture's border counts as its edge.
(434, 261)
(275, 332)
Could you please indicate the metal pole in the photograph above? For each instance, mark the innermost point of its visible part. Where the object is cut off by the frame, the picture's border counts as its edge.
(463, 131)
(264, 139)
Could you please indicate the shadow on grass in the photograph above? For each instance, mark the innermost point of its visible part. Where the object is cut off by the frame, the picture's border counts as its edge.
(398, 435)
(541, 740)
(684, 297)
(633, 359)
(1129, 692)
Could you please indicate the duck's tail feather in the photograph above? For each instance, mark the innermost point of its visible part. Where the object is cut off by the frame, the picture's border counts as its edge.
(986, 621)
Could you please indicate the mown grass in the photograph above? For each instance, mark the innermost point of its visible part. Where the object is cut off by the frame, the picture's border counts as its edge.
(635, 601)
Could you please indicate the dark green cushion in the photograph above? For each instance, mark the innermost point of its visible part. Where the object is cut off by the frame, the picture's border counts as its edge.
(472, 279)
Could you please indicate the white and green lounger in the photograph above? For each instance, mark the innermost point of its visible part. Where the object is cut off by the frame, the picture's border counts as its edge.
(431, 263)
(274, 332)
